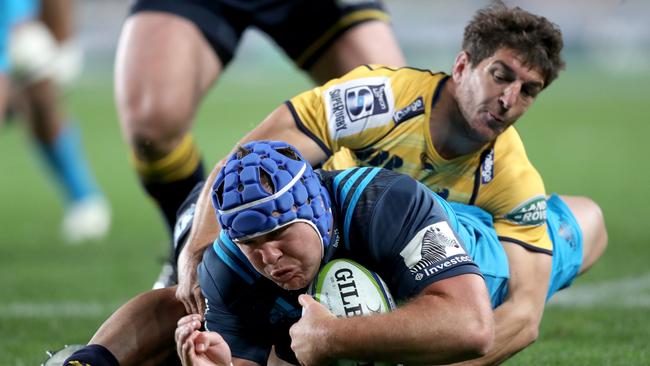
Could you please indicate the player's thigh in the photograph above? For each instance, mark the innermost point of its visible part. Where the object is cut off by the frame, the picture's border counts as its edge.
(371, 42)
(592, 224)
(164, 66)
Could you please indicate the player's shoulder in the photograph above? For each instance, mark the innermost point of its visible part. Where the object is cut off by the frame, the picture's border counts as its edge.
(363, 184)
(225, 271)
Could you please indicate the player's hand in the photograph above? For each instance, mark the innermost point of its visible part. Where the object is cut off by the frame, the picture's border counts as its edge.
(196, 348)
(308, 333)
(188, 291)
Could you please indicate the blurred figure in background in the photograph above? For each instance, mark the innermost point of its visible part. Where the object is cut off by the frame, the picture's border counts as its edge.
(171, 52)
(4, 59)
(43, 57)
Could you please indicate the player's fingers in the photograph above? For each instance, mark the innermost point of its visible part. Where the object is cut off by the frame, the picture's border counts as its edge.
(181, 336)
(199, 300)
(188, 319)
(305, 300)
(180, 296)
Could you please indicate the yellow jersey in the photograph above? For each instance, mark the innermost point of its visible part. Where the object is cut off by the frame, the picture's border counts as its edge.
(378, 116)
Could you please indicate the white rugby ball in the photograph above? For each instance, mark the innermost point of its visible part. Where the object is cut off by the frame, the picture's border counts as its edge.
(348, 289)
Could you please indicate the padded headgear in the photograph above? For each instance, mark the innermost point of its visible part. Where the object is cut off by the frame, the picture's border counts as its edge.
(267, 185)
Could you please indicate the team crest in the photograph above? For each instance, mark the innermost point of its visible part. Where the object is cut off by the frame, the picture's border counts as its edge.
(531, 212)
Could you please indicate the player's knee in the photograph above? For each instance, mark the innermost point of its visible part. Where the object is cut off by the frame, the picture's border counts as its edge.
(595, 238)
(592, 224)
(154, 125)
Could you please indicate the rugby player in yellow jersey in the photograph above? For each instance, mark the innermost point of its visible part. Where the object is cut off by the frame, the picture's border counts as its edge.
(452, 132)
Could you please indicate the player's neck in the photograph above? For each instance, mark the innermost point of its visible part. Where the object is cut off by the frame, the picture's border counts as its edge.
(445, 126)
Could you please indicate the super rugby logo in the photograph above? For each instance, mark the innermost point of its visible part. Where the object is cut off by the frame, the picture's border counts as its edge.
(365, 101)
(358, 104)
(531, 212)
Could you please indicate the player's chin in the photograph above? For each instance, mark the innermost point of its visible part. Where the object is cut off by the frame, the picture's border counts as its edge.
(294, 283)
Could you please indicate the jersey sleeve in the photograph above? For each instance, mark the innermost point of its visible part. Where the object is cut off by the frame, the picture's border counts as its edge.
(517, 197)
(412, 236)
(357, 109)
(227, 311)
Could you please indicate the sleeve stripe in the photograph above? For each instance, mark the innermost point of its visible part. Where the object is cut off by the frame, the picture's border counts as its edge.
(339, 177)
(530, 247)
(353, 203)
(301, 126)
(237, 252)
(224, 257)
(284, 304)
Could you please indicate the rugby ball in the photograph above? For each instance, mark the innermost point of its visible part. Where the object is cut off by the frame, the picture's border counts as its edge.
(348, 289)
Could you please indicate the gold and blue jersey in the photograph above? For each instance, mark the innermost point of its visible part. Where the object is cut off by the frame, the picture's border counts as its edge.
(376, 116)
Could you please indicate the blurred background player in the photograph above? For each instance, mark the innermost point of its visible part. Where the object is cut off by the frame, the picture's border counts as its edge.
(4, 60)
(171, 52)
(44, 56)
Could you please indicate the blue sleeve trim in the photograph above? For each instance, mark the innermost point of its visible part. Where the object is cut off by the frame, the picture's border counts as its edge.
(301, 126)
(237, 252)
(234, 266)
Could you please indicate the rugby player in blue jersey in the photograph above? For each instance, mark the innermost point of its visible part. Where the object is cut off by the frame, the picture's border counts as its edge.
(282, 220)
(264, 198)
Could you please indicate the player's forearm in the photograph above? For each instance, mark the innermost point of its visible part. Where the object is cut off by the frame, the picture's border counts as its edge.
(429, 330)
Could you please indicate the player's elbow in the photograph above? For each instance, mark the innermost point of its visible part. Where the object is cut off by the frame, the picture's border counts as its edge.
(480, 336)
(530, 332)
(477, 334)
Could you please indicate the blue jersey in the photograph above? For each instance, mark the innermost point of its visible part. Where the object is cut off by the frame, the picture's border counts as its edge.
(386, 221)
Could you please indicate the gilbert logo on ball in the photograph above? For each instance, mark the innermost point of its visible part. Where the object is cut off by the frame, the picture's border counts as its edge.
(347, 289)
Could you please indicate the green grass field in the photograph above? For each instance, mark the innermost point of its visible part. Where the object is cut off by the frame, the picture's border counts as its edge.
(586, 135)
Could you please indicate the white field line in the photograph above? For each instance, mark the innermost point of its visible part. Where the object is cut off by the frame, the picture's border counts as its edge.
(22, 310)
(627, 292)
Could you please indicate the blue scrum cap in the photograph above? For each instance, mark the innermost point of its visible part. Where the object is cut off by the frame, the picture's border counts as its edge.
(266, 185)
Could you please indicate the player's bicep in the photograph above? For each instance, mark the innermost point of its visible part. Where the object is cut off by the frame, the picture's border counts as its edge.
(281, 125)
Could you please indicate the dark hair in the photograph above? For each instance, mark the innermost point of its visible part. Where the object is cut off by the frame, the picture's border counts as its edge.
(534, 37)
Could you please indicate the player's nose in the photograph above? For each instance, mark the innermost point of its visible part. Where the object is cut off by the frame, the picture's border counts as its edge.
(270, 254)
(509, 96)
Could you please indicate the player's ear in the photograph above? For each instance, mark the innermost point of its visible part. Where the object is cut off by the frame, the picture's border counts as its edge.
(460, 65)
